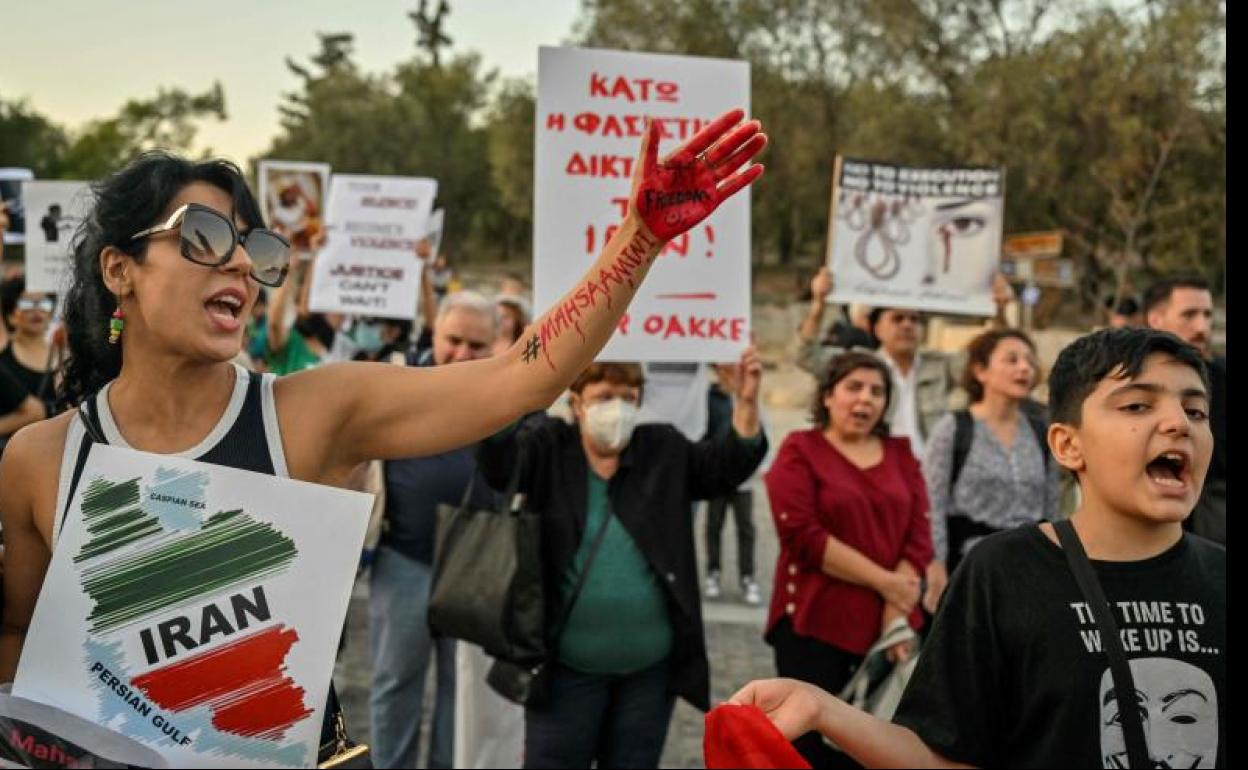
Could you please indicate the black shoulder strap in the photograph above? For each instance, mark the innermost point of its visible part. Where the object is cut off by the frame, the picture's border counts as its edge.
(963, 435)
(580, 579)
(93, 434)
(1111, 643)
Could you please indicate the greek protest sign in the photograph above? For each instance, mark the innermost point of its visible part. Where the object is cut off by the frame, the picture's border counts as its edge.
(921, 238)
(293, 195)
(369, 264)
(196, 608)
(54, 210)
(591, 111)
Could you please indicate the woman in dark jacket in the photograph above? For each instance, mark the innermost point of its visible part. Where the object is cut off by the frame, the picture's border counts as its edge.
(633, 638)
(850, 508)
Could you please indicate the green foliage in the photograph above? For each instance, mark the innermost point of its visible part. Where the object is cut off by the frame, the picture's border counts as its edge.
(1109, 116)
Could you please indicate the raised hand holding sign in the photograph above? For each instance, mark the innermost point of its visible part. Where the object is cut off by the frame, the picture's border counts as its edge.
(673, 195)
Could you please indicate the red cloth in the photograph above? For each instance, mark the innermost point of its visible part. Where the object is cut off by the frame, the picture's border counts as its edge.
(743, 736)
(881, 511)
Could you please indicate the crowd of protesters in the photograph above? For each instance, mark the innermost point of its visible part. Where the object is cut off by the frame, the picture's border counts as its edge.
(923, 496)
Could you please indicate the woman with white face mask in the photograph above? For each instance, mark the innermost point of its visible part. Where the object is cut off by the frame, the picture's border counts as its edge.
(632, 640)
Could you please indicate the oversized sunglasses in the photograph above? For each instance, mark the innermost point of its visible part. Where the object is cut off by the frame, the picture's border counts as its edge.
(209, 238)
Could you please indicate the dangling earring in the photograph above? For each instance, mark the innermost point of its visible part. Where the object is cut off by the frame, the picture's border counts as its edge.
(115, 325)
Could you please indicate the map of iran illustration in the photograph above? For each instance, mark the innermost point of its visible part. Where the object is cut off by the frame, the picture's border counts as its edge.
(189, 585)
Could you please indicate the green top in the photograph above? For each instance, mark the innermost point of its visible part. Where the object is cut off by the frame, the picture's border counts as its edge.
(619, 624)
(293, 357)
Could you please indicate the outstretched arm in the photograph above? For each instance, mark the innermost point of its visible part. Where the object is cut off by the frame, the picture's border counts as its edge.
(383, 411)
(797, 708)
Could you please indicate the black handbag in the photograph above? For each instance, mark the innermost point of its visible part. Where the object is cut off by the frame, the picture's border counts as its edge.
(1111, 643)
(528, 683)
(487, 577)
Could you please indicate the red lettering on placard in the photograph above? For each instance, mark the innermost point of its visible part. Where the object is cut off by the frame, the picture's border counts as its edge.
(678, 245)
(587, 122)
(632, 90)
(622, 204)
(604, 166)
(554, 121)
(692, 326)
(622, 327)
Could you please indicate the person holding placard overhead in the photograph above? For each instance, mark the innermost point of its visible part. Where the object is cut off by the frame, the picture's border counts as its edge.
(165, 269)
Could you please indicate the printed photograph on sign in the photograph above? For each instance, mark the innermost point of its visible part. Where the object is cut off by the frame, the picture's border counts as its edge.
(370, 263)
(293, 196)
(196, 608)
(592, 107)
(11, 198)
(55, 209)
(922, 238)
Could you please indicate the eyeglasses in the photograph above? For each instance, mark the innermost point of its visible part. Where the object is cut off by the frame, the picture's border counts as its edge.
(46, 304)
(209, 239)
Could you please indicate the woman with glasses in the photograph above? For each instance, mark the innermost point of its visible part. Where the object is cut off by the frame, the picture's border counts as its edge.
(29, 356)
(166, 268)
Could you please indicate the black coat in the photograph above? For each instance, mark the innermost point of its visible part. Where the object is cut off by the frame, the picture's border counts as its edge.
(661, 474)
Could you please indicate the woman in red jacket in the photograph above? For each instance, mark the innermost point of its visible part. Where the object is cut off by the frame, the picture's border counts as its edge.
(850, 508)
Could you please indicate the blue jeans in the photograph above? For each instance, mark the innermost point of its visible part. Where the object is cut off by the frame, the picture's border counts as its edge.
(401, 647)
(621, 721)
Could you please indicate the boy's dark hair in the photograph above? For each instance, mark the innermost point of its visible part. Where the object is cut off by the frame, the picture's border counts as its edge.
(979, 351)
(1117, 353)
(838, 369)
(1160, 291)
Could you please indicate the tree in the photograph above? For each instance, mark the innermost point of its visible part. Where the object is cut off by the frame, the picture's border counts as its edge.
(164, 122)
(29, 140)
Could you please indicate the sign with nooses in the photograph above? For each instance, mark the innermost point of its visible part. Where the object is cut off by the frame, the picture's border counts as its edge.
(919, 238)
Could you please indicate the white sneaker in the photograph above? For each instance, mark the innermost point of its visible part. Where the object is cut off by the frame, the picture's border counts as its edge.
(753, 596)
(711, 587)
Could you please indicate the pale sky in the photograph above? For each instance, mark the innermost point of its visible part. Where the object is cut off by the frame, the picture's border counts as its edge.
(75, 60)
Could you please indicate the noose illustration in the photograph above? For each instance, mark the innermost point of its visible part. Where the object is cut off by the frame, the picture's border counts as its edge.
(884, 220)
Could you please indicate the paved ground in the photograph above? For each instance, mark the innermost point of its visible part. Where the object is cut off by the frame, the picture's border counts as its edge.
(733, 630)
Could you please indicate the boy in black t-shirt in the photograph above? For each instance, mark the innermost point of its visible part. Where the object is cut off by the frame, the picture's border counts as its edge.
(1012, 673)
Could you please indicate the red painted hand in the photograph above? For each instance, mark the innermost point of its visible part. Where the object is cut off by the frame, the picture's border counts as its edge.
(673, 195)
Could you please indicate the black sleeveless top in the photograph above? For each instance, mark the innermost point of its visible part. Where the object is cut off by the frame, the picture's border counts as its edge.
(246, 437)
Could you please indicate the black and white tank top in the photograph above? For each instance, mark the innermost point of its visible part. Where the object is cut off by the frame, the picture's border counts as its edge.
(246, 437)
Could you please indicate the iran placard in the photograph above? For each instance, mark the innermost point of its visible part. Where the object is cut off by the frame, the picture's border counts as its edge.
(196, 608)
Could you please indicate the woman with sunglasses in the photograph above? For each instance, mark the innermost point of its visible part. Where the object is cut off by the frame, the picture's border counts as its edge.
(168, 264)
(29, 356)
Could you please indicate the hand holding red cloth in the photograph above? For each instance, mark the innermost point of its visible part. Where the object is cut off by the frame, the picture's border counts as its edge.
(743, 736)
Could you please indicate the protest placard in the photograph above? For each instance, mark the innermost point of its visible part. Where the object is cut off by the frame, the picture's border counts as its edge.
(369, 264)
(433, 232)
(293, 195)
(591, 111)
(11, 198)
(921, 238)
(196, 608)
(54, 209)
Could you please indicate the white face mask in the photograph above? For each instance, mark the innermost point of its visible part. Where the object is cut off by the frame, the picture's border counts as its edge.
(610, 423)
